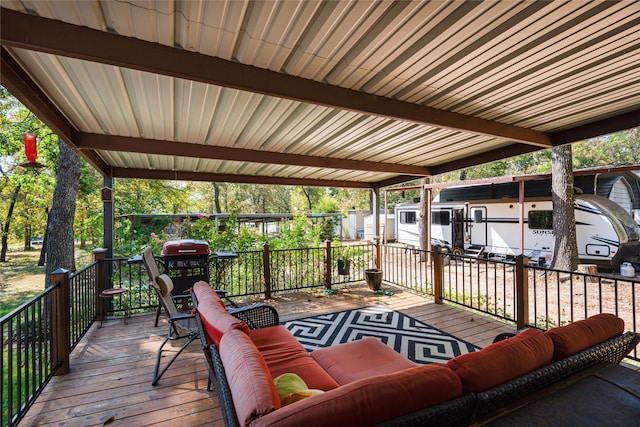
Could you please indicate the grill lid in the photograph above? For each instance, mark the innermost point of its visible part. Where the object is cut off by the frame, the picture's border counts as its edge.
(185, 247)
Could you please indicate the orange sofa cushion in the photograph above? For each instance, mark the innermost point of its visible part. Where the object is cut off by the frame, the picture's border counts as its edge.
(216, 320)
(359, 359)
(284, 354)
(252, 388)
(371, 401)
(503, 361)
(577, 336)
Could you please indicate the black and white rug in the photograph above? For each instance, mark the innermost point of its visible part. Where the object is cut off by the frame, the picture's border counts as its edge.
(413, 339)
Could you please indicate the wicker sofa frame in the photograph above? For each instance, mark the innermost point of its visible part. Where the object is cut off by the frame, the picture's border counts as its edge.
(462, 411)
(256, 316)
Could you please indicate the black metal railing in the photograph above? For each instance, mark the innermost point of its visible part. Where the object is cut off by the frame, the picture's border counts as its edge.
(485, 286)
(296, 269)
(130, 274)
(33, 349)
(28, 359)
(240, 275)
(513, 291)
(408, 268)
(82, 287)
(348, 262)
(559, 297)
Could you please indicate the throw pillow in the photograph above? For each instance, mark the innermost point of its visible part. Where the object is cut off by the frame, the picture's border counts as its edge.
(503, 361)
(580, 335)
(291, 388)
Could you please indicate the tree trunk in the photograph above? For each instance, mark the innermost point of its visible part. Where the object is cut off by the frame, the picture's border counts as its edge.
(216, 196)
(7, 224)
(565, 252)
(27, 236)
(308, 196)
(60, 251)
(43, 248)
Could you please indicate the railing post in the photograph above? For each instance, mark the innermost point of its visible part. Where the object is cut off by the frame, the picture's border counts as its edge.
(266, 260)
(61, 332)
(522, 292)
(327, 264)
(438, 265)
(377, 252)
(99, 255)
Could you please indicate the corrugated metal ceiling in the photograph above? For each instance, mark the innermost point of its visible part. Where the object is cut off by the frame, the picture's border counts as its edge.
(359, 93)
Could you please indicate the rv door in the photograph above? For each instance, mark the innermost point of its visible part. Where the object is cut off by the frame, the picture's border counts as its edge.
(478, 225)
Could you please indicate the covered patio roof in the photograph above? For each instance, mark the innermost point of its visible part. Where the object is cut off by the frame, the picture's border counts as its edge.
(358, 94)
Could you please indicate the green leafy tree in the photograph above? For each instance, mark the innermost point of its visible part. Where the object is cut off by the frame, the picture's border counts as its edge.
(26, 193)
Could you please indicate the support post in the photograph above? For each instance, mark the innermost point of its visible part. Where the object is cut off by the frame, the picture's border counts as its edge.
(61, 330)
(267, 270)
(377, 252)
(327, 264)
(375, 207)
(438, 265)
(108, 224)
(521, 215)
(522, 292)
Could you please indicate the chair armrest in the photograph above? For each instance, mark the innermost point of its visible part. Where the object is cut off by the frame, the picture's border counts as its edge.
(182, 317)
(222, 293)
(257, 316)
(505, 335)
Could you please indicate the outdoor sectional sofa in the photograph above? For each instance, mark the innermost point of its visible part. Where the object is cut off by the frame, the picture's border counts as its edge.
(367, 383)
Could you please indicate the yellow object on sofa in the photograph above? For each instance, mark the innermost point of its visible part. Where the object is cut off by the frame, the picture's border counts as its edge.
(291, 388)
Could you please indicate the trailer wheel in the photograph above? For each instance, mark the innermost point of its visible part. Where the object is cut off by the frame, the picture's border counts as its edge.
(458, 251)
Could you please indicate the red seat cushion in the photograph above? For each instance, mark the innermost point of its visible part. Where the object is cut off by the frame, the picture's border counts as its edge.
(284, 354)
(503, 361)
(371, 401)
(252, 388)
(359, 359)
(577, 336)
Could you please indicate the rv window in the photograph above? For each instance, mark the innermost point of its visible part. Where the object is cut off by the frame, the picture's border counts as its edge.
(477, 216)
(440, 218)
(541, 220)
(408, 217)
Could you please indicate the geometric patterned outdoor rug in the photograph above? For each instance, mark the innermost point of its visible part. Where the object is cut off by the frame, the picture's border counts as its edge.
(415, 340)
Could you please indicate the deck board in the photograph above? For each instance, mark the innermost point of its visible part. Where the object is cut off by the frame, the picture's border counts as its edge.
(112, 367)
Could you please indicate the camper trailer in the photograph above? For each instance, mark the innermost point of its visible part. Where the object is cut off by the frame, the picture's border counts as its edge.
(606, 234)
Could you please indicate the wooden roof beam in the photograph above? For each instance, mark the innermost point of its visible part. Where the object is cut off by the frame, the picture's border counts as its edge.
(86, 141)
(242, 179)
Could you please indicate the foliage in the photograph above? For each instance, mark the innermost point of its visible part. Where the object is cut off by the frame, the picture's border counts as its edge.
(300, 232)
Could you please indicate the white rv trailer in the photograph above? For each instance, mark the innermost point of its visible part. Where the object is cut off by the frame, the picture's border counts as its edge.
(606, 234)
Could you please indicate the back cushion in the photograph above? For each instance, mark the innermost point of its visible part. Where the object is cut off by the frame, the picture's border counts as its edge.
(503, 361)
(204, 292)
(577, 336)
(373, 400)
(252, 388)
(216, 320)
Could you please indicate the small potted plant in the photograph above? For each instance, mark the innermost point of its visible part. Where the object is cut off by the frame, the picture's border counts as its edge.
(345, 255)
(373, 277)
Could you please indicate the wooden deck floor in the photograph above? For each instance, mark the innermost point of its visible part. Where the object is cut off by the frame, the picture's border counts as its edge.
(111, 369)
